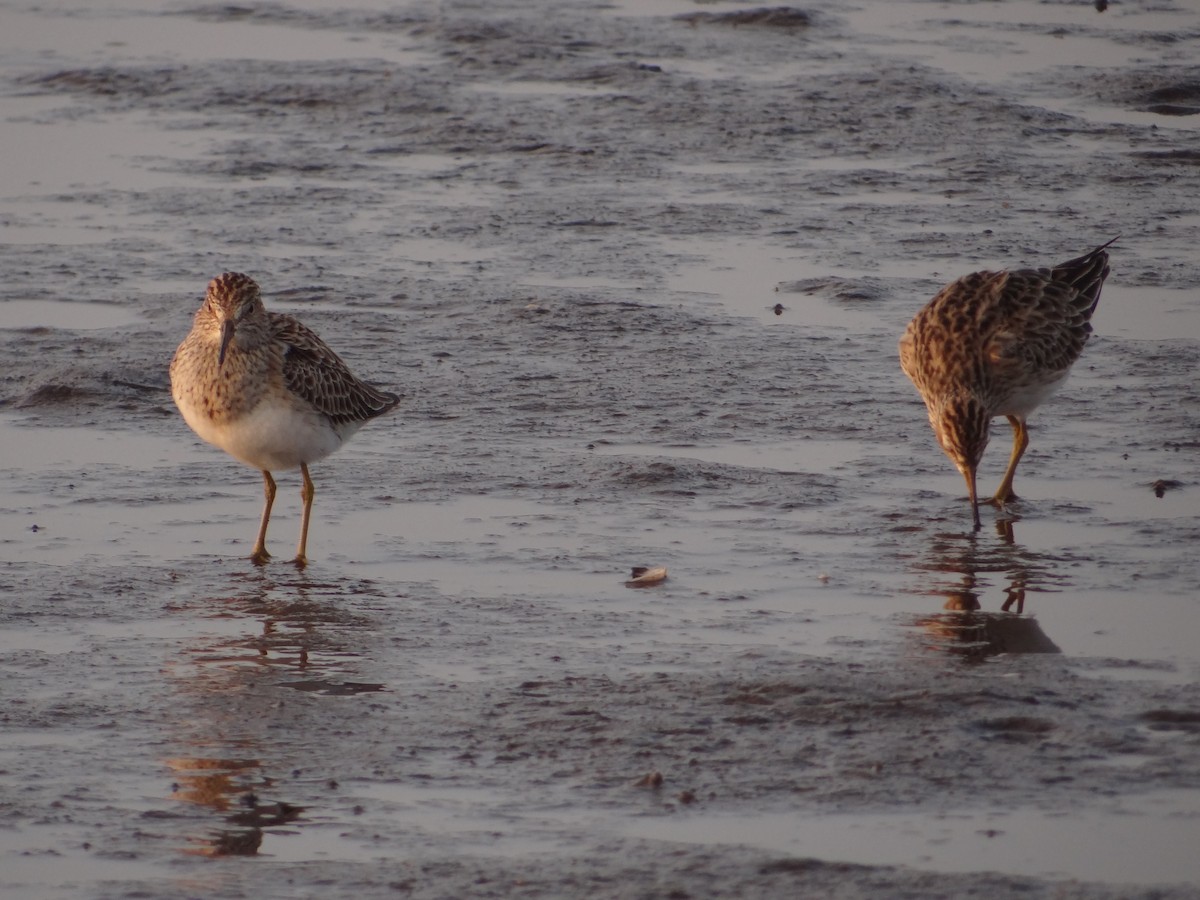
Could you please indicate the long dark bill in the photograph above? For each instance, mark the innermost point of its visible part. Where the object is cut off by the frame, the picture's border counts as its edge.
(227, 330)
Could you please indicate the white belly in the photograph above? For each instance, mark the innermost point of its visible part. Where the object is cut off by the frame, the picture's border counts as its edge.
(1026, 398)
(273, 436)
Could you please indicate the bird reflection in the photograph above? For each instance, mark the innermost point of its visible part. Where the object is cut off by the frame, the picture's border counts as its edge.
(228, 787)
(228, 684)
(961, 568)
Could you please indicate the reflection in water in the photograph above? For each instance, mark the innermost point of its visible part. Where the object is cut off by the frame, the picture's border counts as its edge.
(962, 567)
(229, 786)
(227, 686)
(212, 782)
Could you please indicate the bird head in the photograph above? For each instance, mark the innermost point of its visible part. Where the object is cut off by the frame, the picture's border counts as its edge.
(232, 300)
(961, 423)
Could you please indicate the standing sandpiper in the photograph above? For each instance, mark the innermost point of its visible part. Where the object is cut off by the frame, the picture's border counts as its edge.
(268, 391)
(999, 344)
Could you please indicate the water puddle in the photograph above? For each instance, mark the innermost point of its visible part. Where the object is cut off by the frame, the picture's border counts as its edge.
(994, 43)
(540, 88)
(1106, 114)
(415, 255)
(1148, 313)
(806, 455)
(311, 842)
(68, 159)
(1140, 839)
(60, 862)
(1104, 624)
(669, 7)
(72, 507)
(754, 277)
(101, 36)
(578, 282)
(17, 314)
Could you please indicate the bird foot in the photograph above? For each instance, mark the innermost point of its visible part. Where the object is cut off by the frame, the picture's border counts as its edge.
(260, 556)
(300, 562)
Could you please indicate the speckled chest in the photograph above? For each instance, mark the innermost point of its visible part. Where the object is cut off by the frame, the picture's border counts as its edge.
(224, 393)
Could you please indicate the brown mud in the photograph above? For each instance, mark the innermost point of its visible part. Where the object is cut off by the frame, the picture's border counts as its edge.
(639, 269)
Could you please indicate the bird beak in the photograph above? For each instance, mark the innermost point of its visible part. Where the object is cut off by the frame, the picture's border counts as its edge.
(227, 329)
(969, 474)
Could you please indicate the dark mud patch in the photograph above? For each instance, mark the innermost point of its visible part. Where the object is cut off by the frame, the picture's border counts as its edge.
(785, 17)
(1173, 719)
(1160, 92)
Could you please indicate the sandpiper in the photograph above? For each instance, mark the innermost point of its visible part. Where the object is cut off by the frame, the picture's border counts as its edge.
(999, 344)
(268, 391)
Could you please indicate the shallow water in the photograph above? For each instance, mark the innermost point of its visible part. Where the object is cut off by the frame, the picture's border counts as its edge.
(1147, 838)
(640, 279)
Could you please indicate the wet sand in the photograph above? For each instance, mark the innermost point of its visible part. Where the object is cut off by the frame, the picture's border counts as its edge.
(639, 269)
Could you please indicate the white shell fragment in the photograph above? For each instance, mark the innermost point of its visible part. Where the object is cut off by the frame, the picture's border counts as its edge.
(644, 577)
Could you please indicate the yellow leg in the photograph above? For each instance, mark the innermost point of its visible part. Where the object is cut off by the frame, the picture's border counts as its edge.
(1004, 493)
(306, 494)
(259, 554)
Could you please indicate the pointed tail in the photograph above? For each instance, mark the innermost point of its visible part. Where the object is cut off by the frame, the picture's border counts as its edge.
(1086, 274)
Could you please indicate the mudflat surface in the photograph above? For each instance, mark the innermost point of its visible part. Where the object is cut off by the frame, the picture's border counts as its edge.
(639, 269)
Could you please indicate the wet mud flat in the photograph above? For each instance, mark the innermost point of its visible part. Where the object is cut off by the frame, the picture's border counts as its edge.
(639, 270)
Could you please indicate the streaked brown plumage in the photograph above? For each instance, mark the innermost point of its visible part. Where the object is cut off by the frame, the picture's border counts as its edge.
(999, 344)
(268, 391)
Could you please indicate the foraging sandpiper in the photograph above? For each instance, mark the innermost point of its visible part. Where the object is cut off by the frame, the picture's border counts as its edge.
(999, 344)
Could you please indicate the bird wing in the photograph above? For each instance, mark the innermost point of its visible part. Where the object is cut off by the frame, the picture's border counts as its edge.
(317, 374)
(1039, 324)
